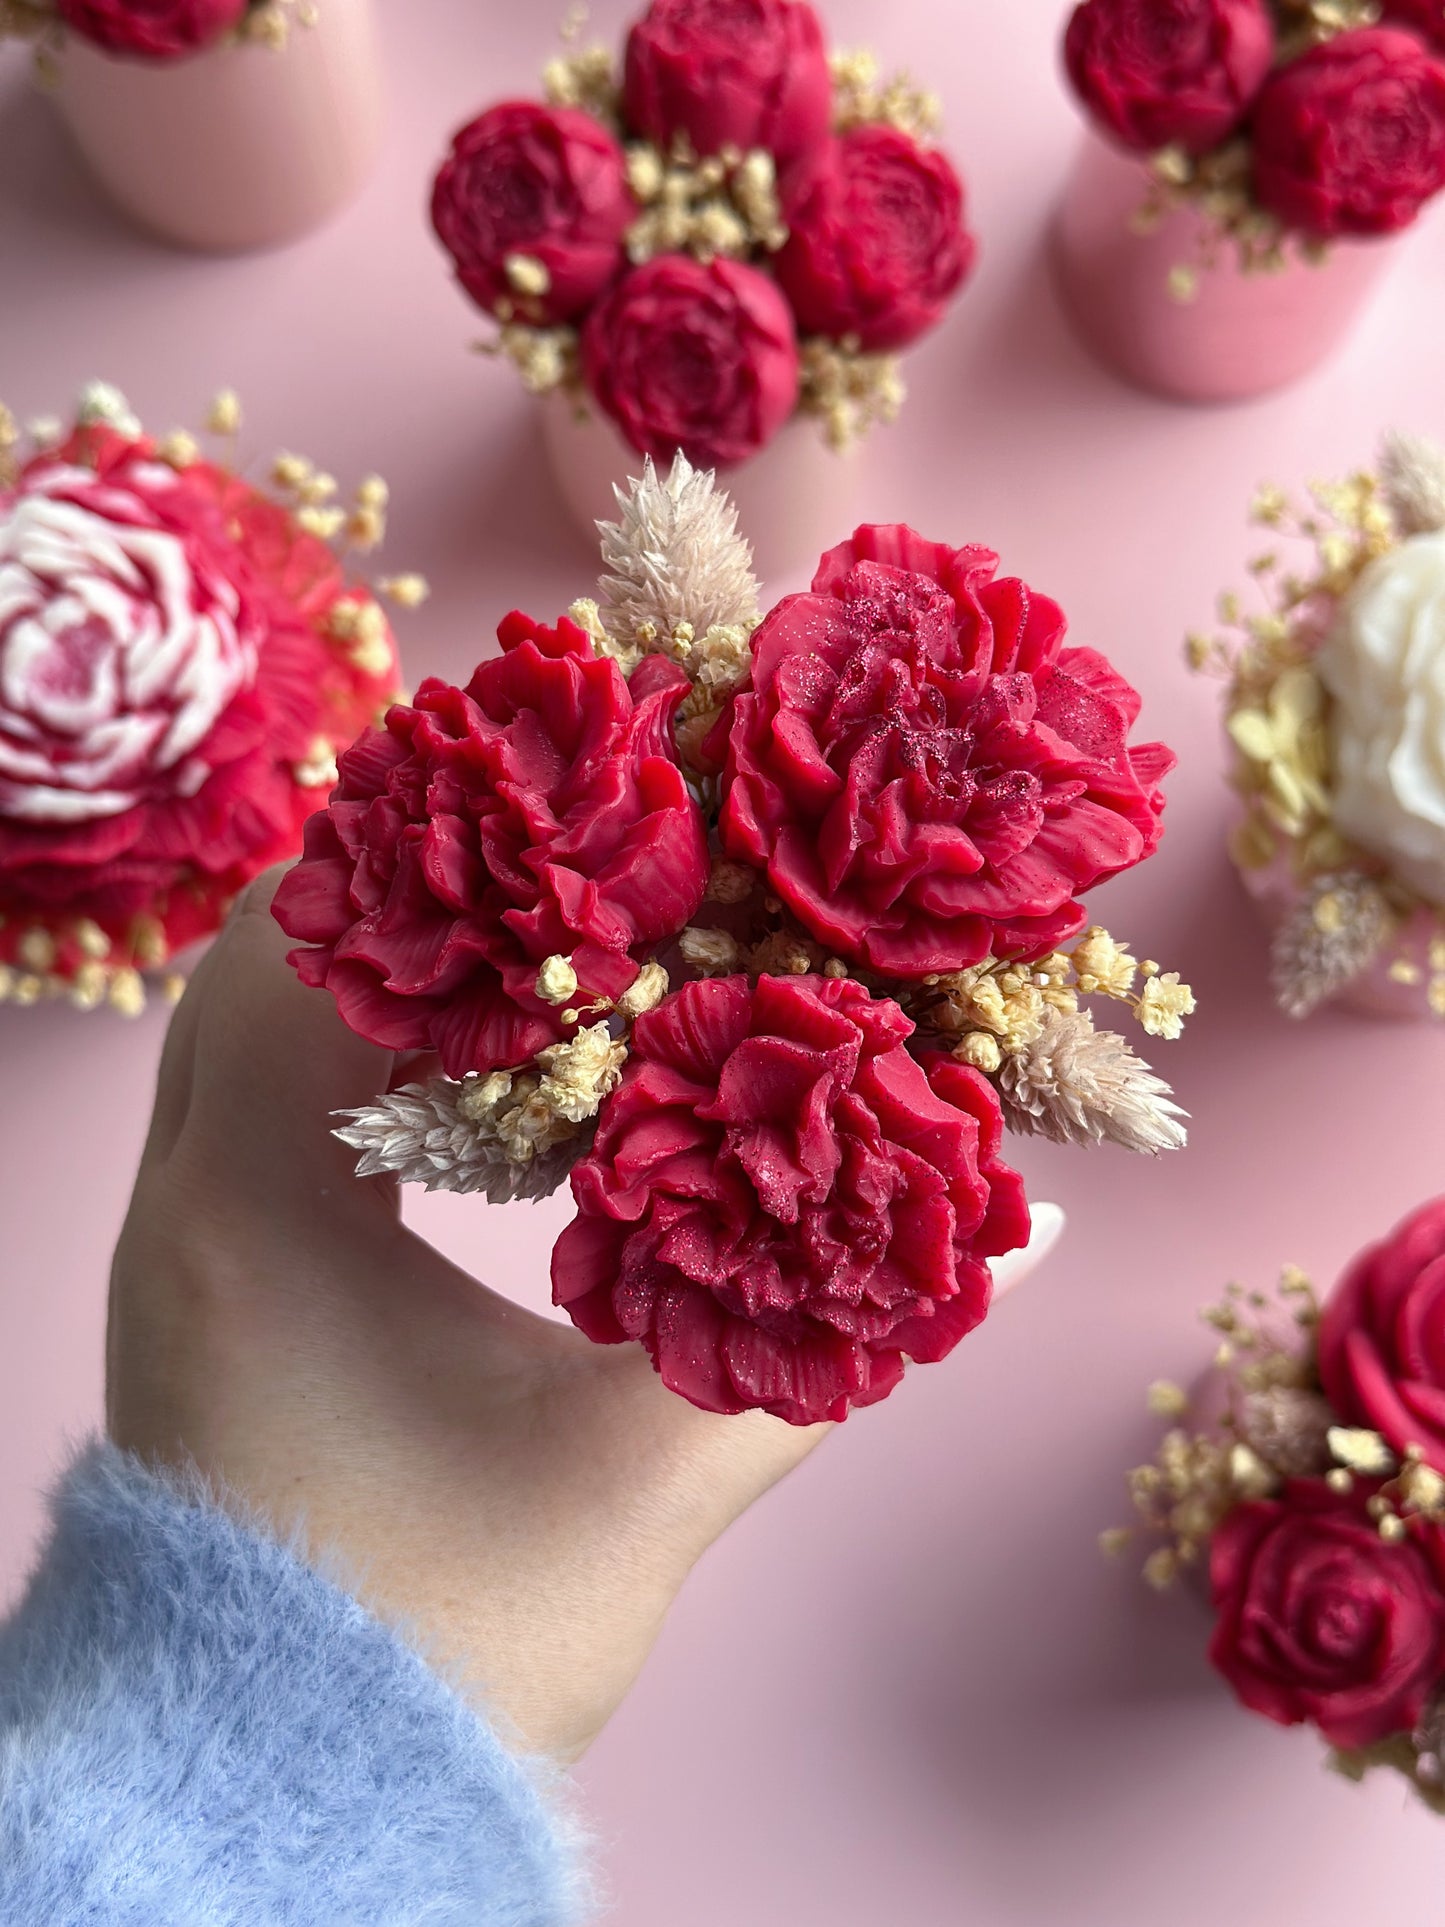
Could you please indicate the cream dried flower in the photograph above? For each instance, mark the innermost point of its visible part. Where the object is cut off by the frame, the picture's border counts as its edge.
(1104, 968)
(1078, 1085)
(101, 404)
(1412, 472)
(1164, 1005)
(711, 953)
(585, 1070)
(1330, 938)
(674, 559)
(1288, 1426)
(421, 1134)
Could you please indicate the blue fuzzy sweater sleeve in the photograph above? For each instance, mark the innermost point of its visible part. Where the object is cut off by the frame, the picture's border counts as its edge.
(197, 1730)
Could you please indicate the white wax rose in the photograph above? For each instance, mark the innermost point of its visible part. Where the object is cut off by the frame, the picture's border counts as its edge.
(1384, 664)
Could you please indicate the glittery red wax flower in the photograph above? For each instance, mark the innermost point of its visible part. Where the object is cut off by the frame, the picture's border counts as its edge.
(878, 247)
(170, 698)
(1350, 138)
(732, 73)
(151, 29)
(1322, 1620)
(927, 775)
(783, 1204)
(1382, 1337)
(545, 184)
(539, 812)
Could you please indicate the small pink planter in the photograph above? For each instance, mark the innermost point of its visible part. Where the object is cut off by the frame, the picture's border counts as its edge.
(795, 499)
(241, 147)
(1244, 335)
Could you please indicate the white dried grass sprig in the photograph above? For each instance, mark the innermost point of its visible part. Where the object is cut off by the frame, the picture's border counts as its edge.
(674, 557)
(1078, 1085)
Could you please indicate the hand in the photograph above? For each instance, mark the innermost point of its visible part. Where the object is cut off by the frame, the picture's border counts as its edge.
(526, 1503)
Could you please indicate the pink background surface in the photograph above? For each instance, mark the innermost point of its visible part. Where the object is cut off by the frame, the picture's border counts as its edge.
(906, 1688)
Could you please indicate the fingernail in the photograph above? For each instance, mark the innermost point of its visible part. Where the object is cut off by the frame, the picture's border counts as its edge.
(1015, 1266)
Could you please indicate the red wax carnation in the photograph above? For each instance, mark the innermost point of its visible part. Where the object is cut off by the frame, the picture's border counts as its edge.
(782, 1204)
(538, 812)
(1382, 1337)
(1350, 138)
(1321, 1620)
(151, 29)
(878, 247)
(545, 183)
(1158, 72)
(701, 358)
(926, 773)
(732, 73)
(166, 674)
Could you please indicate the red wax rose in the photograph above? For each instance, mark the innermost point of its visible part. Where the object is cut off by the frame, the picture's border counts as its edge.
(1382, 1337)
(782, 1204)
(1350, 138)
(1157, 72)
(698, 358)
(151, 29)
(732, 73)
(544, 183)
(927, 775)
(1427, 17)
(536, 813)
(1321, 1620)
(164, 669)
(878, 246)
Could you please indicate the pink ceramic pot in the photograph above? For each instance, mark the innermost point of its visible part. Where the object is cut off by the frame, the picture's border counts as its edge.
(240, 147)
(795, 500)
(1244, 335)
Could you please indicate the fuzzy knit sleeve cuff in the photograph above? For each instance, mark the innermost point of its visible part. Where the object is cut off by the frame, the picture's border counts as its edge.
(197, 1728)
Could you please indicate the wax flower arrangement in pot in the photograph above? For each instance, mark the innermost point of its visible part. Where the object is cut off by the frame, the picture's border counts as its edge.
(1335, 708)
(1249, 163)
(182, 654)
(761, 929)
(720, 249)
(1304, 1478)
(221, 124)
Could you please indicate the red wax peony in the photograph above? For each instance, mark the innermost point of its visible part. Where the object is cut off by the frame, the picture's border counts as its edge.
(545, 185)
(1382, 1337)
(780, 1094)
(179, 660)
(744, 74)
(1350, 138)
(702, 359)
(1159, 72)
(926, 773)
(782, 1203)
(878, 248)
(151, 29)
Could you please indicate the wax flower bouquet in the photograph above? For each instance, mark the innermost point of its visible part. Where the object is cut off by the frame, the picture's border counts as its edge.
(730, 231)
(1335, 707)
(1307, 1478)
(1279, 120)
(761, 928)
(153, 30)
(1251, 166)
(182, 654)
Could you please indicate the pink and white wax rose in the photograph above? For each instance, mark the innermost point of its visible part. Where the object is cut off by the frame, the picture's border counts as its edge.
(761, 929)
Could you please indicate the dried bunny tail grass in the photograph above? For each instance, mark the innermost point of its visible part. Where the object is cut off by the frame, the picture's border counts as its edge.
(674, 559)
(1329, 939)
(1078, 1085)
(511, 1134)
(1412, 472)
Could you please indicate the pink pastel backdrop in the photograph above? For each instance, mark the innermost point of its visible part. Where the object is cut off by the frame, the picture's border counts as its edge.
(907, 1689)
